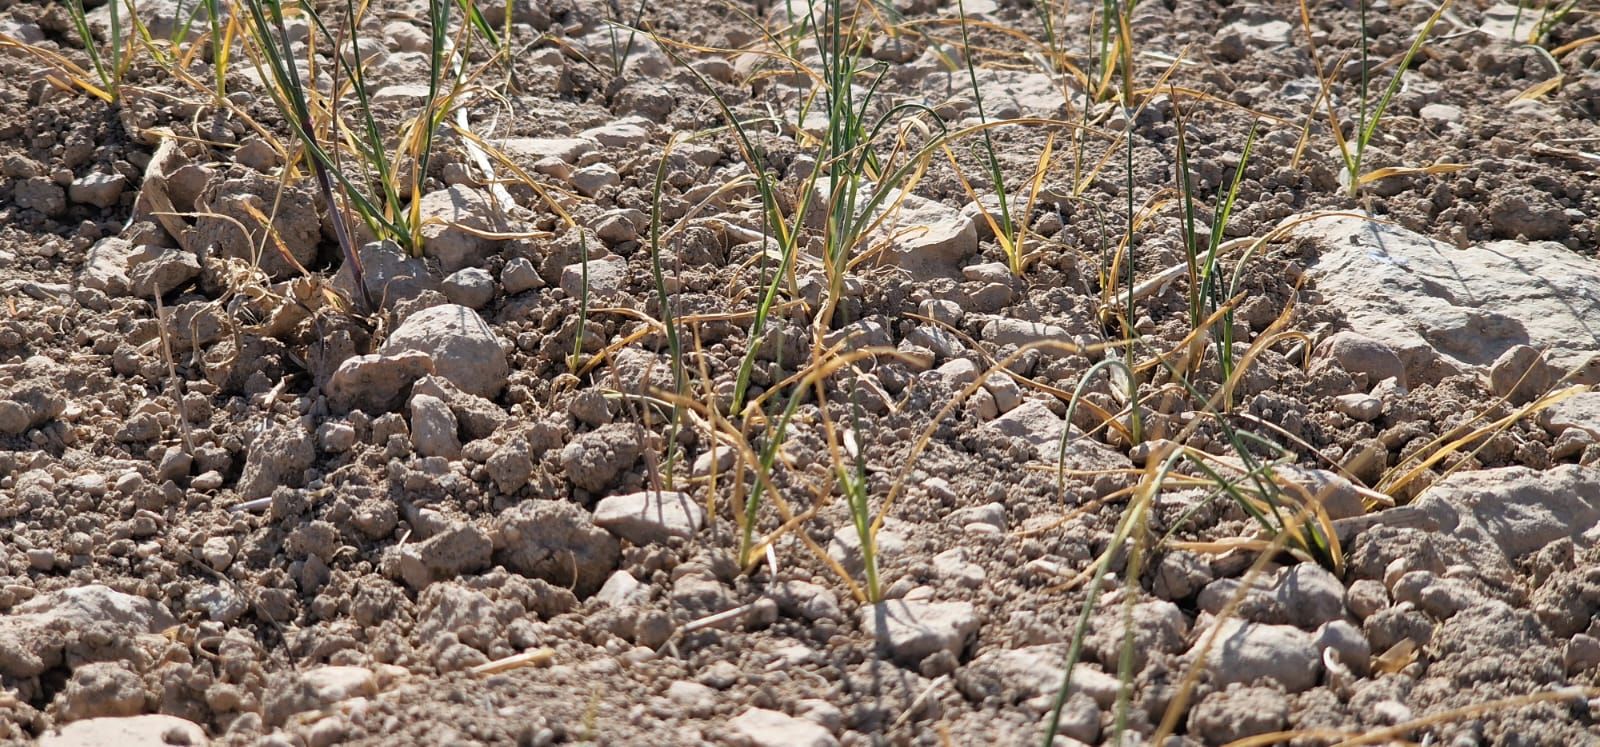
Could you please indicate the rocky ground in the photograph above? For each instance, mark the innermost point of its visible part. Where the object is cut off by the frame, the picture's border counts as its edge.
(236, 510)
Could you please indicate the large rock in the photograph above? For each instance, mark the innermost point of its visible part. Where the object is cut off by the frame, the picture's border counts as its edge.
(1245, 652)
(463, 348)
(149, 730)
(375, 383)
(758, 727)
(390, 275)
(1446, 310)
(37, 634)
(454, 220)
(911, 631)
(650, 517)
(1514, 510)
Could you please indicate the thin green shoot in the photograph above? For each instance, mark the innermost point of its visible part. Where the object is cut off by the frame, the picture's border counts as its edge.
(1006, 233)
(622, 49)
(853, 479)
(221, 46)
(1206, 294)
(1371, 115)
(110, 71)
(581, 331)
(680, 377)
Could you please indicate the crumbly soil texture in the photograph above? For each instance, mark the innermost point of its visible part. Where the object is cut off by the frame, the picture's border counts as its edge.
(514, 503)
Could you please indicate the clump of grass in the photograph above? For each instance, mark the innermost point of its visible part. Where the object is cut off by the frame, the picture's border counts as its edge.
(375, 192)
(860, 175)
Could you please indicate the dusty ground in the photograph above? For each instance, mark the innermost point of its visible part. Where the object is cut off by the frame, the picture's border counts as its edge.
(211, 509)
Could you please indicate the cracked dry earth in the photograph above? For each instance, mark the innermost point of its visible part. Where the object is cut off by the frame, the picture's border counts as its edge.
(232, 514)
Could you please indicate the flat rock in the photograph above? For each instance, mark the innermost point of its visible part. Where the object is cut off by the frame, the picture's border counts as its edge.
(34, 635)
(1514, 510)
(650, 517)
(535, 149)
(1581, 411)
(619, 134)
(1006, 93)
(759, 727)
(1245, 652)
(462, 347)
(910, 631)
(149, 730)
(1445, 310)
(1019, 332)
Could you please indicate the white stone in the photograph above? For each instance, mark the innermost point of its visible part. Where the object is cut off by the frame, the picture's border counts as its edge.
(149, 730)
(607, 277)
(97, 189)
(1447, 310)
(911, 631)
(650, 517)
(759, 727)
(589, 180)
(622, 589)
(471, 287)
